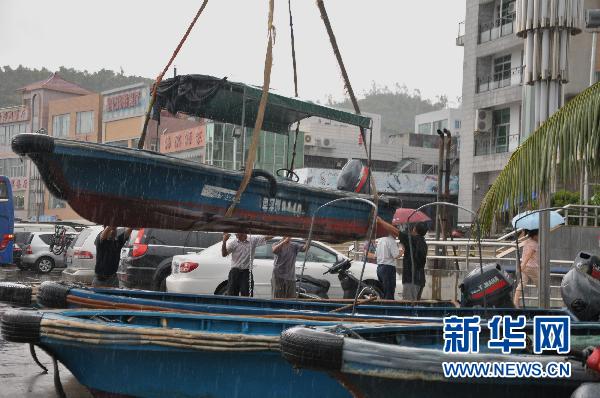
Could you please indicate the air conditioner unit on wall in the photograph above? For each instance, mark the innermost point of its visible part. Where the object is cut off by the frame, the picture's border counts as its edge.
(327, 143)
(483, 120)
(308, 139)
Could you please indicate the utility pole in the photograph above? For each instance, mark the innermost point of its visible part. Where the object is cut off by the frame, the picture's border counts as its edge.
(436, 280)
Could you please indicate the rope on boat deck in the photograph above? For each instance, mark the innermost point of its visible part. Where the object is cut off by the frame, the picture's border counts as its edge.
(162, 74)
(260, 114)
(291, 164)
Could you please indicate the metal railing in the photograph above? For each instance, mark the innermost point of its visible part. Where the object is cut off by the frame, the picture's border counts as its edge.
(500, 80)
(497, 28)
(460, 37)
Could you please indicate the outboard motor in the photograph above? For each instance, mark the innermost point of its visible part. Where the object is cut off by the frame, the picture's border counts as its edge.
(353, 177)
(580, 287)
(494, 284)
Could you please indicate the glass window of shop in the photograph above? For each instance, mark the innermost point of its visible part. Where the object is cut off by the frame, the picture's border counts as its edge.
(223, 150)
(60, 125)
(56, 203)
(19, 200)
(425, 128)
(440, 125)
(85, 122)
(8, 131)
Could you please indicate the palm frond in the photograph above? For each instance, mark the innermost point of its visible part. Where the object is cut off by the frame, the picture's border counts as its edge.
(555, 149)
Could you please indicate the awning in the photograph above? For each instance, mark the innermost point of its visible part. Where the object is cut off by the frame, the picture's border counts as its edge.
(221, 100)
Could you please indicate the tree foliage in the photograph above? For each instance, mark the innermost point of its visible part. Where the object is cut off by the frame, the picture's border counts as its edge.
(13, 79)
(397, 106)
(555, 150)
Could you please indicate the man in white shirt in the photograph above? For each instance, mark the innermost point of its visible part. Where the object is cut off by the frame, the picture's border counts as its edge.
(387, 252)
(242, 252)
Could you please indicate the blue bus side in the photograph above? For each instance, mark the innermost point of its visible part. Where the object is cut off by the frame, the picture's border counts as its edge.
(7, 221)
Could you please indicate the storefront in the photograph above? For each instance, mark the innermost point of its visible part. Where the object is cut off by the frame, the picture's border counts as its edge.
(13, 121)
(123, 111)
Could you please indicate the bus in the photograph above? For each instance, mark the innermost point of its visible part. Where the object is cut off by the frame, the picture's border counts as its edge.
(7, 222)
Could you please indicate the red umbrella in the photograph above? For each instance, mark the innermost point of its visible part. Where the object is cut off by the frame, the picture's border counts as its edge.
(402, 216)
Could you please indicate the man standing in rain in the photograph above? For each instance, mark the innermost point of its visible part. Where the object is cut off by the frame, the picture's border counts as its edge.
(242, 252)
(415, 249)
(283, 281)
(108, 250)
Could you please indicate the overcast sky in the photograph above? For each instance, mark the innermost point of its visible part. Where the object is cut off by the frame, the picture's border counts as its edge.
(410, 42)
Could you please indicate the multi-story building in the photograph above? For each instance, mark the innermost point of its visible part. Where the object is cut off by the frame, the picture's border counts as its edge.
(123, 113)
(431, 122)
(493, 125)
(32, 115)
(77, 118)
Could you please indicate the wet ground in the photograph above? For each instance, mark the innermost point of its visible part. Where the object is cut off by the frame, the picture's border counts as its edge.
(19, 375)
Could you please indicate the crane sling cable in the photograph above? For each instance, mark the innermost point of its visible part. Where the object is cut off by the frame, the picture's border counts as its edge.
(260, 114)
(162, 74)
(347, 85)
(350, 91)
(291, 165)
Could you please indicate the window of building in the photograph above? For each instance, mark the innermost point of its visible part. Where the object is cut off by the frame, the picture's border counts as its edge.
(19, 201)
(60, 125)
(457, 124)
(440, 125)
(56, 203)
(14, 167)
(507, 13)
(501, 122)
(502, 68)
(85, 122)
(424, 128)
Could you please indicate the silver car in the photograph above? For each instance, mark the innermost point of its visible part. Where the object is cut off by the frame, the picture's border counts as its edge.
(37, 255)
(81, 256)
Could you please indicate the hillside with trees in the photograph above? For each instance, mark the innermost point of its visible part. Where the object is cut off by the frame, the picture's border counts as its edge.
(13, 79)
(397, 106)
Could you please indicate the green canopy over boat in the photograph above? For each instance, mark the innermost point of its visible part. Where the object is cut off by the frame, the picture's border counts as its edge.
(237, 103)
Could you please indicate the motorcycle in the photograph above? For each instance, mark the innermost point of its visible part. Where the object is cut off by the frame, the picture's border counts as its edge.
(350, 284)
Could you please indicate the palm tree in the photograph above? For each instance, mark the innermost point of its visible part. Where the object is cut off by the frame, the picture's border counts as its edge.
(555, 149)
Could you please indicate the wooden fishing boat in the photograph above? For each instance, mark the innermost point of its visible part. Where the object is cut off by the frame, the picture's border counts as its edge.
(394, 361)
(58, 295)
(121, 186)
(155, 355)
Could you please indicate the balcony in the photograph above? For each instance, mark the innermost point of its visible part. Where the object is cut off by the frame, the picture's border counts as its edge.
(460, 38)
(491, 144)
(500, 80)
(496, 29)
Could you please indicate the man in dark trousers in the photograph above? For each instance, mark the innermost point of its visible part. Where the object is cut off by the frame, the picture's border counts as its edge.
(108, 250)
(242, 252)
(283, 281)
(412, 285)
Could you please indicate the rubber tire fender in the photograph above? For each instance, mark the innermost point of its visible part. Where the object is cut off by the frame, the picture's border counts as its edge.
(15, 293)
(21, 326)
(269, 177)
(53, 294)
(312, 349)
(587, 390)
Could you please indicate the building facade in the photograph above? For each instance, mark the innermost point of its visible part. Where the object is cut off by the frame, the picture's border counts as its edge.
(123, 113)
(77, 118)
(493, 125)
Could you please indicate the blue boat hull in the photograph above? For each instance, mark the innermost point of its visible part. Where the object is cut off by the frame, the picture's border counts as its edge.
(54, 295)
(153, 372)
(121, 186)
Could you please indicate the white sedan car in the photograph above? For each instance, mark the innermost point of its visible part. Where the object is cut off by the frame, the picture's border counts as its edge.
(206, 272)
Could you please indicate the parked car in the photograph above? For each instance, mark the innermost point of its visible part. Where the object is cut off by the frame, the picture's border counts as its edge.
(80, 259)
(37, 255)
(146, 258)
(206, 272)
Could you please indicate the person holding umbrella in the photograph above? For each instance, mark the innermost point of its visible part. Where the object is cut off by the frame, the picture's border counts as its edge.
(415, 251)
(529, 221)
(530, 265)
